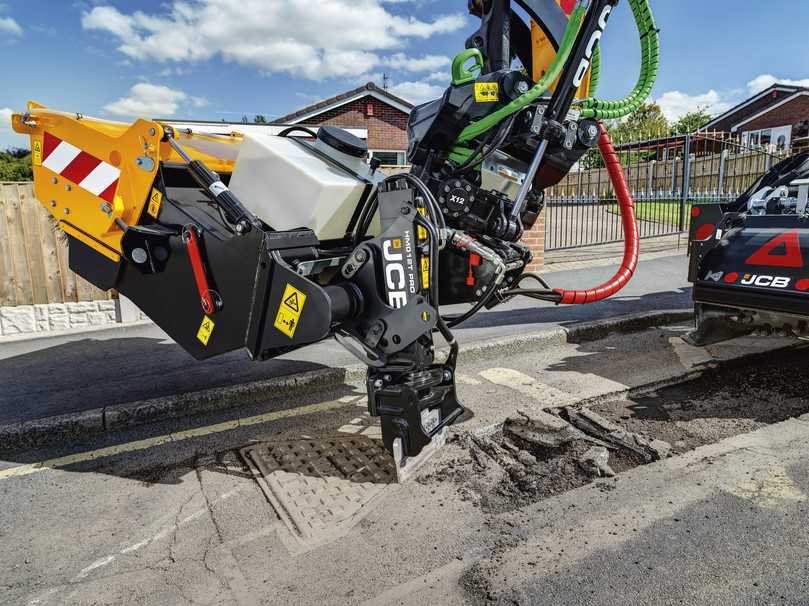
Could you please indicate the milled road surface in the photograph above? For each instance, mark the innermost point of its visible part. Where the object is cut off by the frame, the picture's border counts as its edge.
(170, 515)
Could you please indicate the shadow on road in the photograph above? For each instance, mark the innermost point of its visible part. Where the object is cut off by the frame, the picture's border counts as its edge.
(88, 374)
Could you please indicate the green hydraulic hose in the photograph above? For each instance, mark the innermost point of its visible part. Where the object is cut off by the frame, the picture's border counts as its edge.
(600, 109)
(540, 88)
(595, 71)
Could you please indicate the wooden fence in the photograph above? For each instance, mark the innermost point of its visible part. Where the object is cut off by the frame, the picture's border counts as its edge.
(33, 257)
(728, 173)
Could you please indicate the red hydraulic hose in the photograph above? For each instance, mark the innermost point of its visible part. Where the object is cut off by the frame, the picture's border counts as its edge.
(631, 241)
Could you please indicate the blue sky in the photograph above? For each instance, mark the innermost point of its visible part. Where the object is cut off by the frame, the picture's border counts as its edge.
(220, 59)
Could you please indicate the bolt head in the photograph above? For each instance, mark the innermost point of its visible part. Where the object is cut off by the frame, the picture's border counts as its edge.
(522, 87)
(53, 203)
(67, 211)
(139, 256)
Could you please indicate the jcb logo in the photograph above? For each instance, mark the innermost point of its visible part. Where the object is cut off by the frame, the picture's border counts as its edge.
(767, 281)
(395, 273)
(591, 46)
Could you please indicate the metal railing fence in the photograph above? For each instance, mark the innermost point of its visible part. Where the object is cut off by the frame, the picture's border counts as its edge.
(666, 176)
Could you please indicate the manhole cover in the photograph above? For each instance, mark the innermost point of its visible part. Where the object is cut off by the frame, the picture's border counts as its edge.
(321, 487)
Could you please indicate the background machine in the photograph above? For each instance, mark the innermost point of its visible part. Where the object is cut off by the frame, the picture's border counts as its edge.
(269, 243)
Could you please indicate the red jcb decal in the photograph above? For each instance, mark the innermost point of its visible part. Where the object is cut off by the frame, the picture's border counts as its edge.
(791, 257)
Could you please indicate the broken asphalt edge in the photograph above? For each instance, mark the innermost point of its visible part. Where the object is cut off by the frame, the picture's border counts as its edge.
(117, 417)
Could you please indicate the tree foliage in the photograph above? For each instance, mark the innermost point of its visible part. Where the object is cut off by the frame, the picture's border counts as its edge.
(646, 123)
(691, 122)
(15, 165)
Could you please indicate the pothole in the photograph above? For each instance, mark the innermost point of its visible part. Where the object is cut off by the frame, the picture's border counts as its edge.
(541, 454)
(538, 455)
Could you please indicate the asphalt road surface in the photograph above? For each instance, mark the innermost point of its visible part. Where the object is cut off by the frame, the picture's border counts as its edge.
(54, 376)
(170, 514)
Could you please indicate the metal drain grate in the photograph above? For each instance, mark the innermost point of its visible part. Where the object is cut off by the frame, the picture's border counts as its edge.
(321, 487)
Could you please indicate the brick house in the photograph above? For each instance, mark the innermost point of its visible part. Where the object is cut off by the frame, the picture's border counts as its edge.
(381, 115)
(777, 117)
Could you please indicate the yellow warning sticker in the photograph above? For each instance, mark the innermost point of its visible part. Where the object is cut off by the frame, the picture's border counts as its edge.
(206, 330)
(425, 273)
(290, 310)
(36, 153)
(487, 92)
(422, 233)
(155, 203)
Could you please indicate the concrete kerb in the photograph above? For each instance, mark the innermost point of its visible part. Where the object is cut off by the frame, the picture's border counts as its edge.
(116, 417)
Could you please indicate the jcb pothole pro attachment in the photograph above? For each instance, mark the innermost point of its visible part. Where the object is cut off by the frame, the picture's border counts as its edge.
(270, 243)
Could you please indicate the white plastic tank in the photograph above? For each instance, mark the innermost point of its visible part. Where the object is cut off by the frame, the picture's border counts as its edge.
(289, 185)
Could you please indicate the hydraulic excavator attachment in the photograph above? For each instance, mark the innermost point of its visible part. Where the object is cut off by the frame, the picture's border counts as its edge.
(269, 243)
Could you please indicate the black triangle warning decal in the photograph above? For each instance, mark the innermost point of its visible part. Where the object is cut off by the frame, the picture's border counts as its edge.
(292, 302)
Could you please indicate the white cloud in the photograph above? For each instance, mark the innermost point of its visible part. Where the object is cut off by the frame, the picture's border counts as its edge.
(412, 64)
(765, 81)
(417, 92)
(10, 26)
(676, 104)
(314, 40)
(8, 138)
(147, 100)
(439, 77)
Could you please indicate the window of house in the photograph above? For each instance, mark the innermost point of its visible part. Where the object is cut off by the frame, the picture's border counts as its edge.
(772, 139)
(389, 158)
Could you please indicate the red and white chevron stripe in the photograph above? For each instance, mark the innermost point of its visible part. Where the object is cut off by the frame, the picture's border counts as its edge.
(86, 171)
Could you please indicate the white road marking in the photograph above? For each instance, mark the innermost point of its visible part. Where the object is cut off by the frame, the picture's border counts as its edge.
(546, 395)
(374, 432)
(462, 379)
(97, 564)
(768, 488)
(162, 534)
(110, 451)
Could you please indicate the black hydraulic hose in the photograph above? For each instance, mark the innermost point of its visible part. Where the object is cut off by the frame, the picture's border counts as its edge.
(493, 142)
(456, 320)
(534, 276)
(542, 295)
(432, 204)
(434, 284)
(287, 131)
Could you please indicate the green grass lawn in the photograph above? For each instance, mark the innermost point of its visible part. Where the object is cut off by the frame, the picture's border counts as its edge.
(658, 211)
